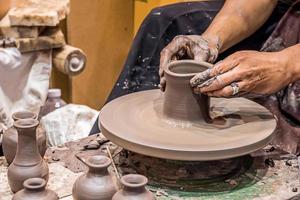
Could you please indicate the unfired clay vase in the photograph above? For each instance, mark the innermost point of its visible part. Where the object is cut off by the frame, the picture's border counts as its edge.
(133, 188)
(28, 162)
(180, 102)
(10, 137)
(97, 183)
(35, 189)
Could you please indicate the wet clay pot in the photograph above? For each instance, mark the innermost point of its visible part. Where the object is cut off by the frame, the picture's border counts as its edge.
(133, 188)
(10, 137)
(35, 189)
(97, 183)
(179, 101)
(28, 162)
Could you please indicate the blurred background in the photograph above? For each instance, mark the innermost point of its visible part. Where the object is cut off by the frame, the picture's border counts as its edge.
(104, 30)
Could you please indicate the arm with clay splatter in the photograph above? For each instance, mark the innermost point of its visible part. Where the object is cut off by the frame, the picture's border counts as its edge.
(237, 20)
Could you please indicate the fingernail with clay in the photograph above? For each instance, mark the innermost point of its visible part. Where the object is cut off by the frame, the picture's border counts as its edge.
(200, 78)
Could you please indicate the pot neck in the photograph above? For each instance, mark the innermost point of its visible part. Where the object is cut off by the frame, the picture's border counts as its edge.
(27, 150)
(98, 165)
(35, 185)
(134, 182)
(24, 115)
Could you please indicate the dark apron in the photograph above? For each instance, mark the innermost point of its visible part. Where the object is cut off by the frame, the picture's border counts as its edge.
(286, 103)
(140, 71)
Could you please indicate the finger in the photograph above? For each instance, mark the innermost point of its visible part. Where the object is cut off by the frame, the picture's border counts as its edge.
(200, 78)
(218, 82)
(223, 66)
(207, 77)
(171, 49)
(228, 91)
(162, 84)
(200, 54)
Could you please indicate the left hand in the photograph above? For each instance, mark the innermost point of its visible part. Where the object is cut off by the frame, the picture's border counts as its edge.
(254, 73)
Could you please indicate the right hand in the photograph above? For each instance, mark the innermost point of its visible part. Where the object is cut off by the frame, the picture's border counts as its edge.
(187, 47)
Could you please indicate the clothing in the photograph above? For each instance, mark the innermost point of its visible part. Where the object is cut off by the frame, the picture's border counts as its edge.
(24, 82)
(140, 71)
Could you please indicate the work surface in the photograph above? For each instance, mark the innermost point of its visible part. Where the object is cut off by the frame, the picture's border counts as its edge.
(273, 174)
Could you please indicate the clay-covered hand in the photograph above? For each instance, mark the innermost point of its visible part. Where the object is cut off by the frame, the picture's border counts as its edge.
(254, 73)
(187, 47)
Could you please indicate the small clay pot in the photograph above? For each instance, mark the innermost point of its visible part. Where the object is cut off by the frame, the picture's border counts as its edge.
(28, 162)
(10, 137)
(35, 189)
(97, 183)
(180, 102)
(134, 188)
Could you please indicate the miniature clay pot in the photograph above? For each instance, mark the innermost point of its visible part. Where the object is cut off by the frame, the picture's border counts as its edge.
(10, 137)
(97, 183)
(28, 162)
(35, 189)
(134, 188)
(180, 102)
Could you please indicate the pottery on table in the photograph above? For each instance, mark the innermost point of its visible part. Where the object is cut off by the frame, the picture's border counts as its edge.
(97, 183)
(28, 162)
(10, 137)
(134, 188)
(35, 189)
(180, 102)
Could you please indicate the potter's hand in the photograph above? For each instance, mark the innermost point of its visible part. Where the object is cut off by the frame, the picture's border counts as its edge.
(254, 73)
(187, 47)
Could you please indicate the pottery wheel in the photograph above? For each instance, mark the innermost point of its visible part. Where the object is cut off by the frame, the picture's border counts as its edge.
(136, 122)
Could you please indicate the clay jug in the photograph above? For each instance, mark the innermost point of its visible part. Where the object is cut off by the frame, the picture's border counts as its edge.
(97, 183)
(180, 102)
(134, 188)
(35, 189)
(10, 137)
(28, 162)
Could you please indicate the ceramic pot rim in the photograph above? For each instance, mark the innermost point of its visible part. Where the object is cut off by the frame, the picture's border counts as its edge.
(24, 115)
(134, 180)
(98, 161)
(26, 123)
(34, 183)
(168, 71)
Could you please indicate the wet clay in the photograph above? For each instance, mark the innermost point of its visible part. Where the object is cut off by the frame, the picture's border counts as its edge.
(35, 189)
(133, 188)
(140, 122)
(10, 137)
(180, 102)
(28, 162)
(97, 183)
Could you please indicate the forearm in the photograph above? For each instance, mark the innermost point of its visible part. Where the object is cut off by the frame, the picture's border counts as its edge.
(290, 56)
(237, 20)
